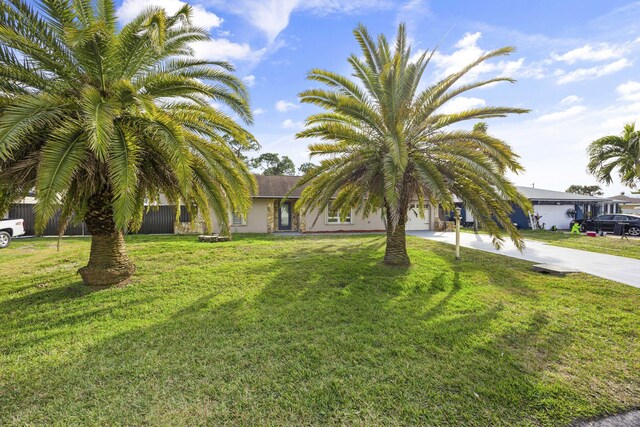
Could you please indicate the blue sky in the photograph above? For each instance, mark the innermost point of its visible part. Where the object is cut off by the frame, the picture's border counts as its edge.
(577, 65)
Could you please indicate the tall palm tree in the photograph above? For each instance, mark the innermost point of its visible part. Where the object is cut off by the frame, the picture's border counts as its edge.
(101, 122)
(621, 152)
(386, 142)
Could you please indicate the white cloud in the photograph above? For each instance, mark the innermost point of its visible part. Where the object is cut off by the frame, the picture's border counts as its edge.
(259, 111)
(467, 51)
(588, 53)
(593, 72)
(290, 124)
(554, 152)
(223, 49)
(284, 106)
(411, 12)
(561, 115)
(271, 17)
(249, 80)
(461, 103)
(215, 49)
(571, 99)
(629, 91)
(601, 52)
(201, 17)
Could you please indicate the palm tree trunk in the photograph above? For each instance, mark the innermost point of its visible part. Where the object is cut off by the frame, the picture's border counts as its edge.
(396, 249)
(108, 260)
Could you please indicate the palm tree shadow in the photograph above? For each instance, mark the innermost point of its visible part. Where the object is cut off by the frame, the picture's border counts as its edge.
(326, 331)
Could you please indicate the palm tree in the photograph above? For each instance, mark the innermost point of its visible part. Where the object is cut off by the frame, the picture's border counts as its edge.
(100, 122)
(616, 152)
(386, 142)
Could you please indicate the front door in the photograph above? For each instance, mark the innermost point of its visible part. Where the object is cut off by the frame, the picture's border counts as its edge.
(284, 219)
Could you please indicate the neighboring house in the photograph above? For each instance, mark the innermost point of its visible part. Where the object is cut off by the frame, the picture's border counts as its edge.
(556, 208)
(272, 211)
(622, 204)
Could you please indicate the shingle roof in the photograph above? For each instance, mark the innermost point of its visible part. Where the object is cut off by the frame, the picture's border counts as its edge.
(277, 186)
(625, 199)
(539, 194)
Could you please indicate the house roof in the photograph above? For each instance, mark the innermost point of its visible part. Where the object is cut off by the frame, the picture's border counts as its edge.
(625, 199)
(277, 186)
(538, 194)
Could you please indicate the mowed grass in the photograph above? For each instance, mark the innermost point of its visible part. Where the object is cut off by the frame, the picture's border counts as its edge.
(629, 247)
(268, 330)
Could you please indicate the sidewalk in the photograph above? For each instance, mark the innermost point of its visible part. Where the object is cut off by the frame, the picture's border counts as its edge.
(619, 269)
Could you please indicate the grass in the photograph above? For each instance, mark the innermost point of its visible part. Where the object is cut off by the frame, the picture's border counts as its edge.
(269, 330)
(629, 248)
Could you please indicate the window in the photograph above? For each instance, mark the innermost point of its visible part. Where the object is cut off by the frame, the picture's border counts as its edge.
(334, 218)
(620, 218)
(237, 219)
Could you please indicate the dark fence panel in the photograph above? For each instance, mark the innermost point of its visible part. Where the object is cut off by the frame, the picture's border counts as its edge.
(156, 221)
(25, 211)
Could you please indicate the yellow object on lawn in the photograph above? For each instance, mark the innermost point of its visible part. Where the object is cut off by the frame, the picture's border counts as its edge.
(575, 229)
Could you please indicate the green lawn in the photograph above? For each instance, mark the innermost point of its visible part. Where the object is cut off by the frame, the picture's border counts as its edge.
(629, 248)
(309, 330)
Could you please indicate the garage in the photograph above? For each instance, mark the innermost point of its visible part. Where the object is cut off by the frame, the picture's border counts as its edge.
(414, 222)
(554, 215)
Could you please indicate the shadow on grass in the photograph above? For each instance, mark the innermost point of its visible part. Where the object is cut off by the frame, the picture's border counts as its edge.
(324, 333)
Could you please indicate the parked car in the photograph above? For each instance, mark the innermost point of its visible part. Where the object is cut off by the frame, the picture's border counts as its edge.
(10, 228)
(608, 222)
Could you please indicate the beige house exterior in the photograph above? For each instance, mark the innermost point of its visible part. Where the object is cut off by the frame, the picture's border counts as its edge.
(271, 213)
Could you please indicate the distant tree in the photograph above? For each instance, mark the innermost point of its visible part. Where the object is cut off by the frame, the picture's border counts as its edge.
(481, 127)
(587, 190)
(240, 147)
(272, 164)
(621, 152)
(306, 167)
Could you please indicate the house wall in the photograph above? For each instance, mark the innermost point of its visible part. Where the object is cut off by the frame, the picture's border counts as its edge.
(554, 215)
(373, 222)
(518, 216)
(256, 220)
(262, 218)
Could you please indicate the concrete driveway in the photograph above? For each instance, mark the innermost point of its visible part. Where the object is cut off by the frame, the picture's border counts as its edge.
(619, 269)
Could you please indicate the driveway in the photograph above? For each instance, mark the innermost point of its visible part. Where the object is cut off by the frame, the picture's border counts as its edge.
(619, 269)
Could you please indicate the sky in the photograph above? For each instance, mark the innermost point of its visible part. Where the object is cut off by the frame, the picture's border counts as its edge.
(577, 65)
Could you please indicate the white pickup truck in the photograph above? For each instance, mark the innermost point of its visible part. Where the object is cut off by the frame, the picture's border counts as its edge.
(10, 228)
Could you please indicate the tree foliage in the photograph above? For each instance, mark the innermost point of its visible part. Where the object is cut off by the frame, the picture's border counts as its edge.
(587, 190)
(273, 164)
(242, 147)
(386, 141)
(87, 108)
(619, 153)
(306, 167)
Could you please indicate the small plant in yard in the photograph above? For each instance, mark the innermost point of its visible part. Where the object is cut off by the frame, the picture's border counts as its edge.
(386, 143)
(100, 121)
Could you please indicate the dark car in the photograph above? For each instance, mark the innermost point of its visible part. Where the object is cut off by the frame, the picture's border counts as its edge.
(608, 223)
